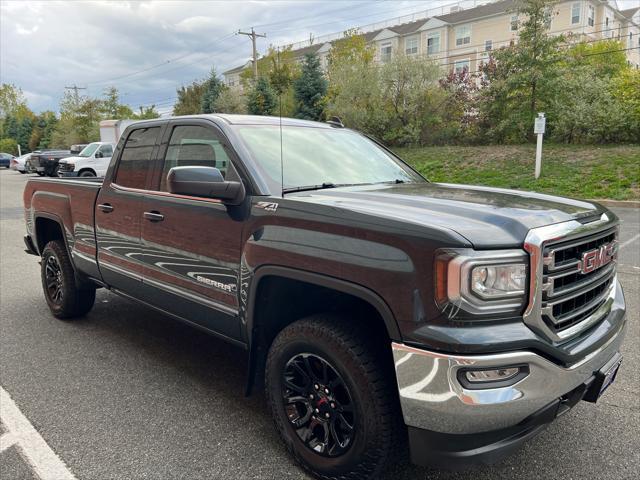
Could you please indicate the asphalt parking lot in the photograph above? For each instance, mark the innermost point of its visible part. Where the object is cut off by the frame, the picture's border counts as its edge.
(127, 393)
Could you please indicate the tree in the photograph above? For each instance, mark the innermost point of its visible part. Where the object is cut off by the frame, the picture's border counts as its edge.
(212, 89)
(310, 89)
(9, 145)
(524, 76)
(231, 101)
(189, 99)
(11, 100)
(261, 99)
(352, 47)
(146, 113)
(605, 57)
(24, 133)
(111, 107)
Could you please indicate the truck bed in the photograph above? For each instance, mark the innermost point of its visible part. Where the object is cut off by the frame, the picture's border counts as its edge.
(70, 202)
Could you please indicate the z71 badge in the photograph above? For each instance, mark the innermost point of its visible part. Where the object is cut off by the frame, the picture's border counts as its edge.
(267, 206)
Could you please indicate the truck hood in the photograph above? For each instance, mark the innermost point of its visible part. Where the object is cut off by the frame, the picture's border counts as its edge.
(72, 159)
(486, 217)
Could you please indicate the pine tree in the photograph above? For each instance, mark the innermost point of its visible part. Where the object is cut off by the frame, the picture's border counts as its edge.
(261, 99)
(212, 89)
(310, 89)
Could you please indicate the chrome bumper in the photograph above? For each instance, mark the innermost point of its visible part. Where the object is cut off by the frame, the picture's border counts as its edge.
(433, 399)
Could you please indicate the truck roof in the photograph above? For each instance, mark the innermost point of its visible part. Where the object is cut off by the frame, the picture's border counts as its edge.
(233, 119)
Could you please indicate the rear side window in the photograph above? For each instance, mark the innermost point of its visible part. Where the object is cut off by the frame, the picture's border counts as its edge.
(193, 145)
(135, 160)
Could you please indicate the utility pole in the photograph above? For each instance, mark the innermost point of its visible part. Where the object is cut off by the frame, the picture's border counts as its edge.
(76, 96)
(253, 36)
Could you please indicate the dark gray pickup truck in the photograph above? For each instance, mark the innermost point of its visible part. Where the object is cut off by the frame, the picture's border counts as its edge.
(377, 308)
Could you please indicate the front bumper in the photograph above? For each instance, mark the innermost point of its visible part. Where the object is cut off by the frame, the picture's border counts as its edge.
(490, 421)
(67, 174)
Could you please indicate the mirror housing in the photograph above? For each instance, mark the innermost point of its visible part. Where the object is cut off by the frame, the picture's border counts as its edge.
(205, 182)
(98, 154)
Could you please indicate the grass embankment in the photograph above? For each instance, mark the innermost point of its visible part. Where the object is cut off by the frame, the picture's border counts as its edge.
(605, 172)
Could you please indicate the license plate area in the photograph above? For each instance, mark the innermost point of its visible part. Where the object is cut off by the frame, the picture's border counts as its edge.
(604, 378)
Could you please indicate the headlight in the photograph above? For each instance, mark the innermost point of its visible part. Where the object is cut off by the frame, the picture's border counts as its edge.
(481, 282)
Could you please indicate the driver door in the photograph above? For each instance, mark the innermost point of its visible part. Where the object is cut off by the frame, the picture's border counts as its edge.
(192, 245)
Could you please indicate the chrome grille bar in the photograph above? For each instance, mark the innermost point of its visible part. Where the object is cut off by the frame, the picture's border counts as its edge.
(581, 297)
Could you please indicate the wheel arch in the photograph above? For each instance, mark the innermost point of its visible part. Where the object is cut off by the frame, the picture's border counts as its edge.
(357, 295)
(87, 169)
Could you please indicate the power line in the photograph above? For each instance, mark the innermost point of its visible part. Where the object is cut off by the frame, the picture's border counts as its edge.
(253, 35)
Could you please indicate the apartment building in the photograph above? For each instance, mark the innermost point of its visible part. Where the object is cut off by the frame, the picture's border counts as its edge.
(463, 38)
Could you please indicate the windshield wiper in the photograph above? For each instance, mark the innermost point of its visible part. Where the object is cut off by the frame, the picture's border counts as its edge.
(307, 188)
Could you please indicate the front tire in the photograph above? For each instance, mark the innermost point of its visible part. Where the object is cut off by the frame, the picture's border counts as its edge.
(87, 173)
(66, 299)
(333, 397)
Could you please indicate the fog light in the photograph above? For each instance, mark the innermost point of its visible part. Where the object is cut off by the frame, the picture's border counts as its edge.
(492, 377)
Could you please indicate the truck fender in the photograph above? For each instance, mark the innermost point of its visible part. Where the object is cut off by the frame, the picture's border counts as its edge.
(333, 283)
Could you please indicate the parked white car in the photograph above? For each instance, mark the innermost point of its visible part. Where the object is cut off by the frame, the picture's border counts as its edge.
(18, 163)
(92, 161)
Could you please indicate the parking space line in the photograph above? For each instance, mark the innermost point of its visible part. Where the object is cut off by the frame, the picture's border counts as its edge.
(44, 461)
(630, 241)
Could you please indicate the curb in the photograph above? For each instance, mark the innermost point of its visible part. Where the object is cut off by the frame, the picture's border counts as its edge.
(618, 203)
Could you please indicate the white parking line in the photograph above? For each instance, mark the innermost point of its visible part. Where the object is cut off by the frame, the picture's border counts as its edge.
(44, 461)
(630, 241)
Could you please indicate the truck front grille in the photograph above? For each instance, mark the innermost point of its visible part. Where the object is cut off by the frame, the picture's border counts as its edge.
(572, 294)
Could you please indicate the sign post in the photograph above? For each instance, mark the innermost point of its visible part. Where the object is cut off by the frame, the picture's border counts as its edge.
(538, 129)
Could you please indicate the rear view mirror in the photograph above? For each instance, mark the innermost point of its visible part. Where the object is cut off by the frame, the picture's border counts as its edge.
(205, 182)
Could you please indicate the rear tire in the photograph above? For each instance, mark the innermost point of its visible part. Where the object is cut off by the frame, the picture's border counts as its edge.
(367, 401)
(66, 299)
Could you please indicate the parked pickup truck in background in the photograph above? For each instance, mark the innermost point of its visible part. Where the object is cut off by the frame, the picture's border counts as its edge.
(92, 161)
(375, 306)
(45, 162)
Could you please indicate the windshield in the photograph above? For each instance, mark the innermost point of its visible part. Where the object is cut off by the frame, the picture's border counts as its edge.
(322, 156)
(88, 150)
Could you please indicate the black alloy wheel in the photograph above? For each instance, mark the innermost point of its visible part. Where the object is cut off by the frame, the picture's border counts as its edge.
(53, 279)
(318, 405)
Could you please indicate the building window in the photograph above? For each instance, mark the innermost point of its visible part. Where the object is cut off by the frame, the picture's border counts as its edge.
(463, 35)
(630, 42)
(411, 45)
(488, 45)
(575, 13)
(461, 66)
(514, 23)
(591, 16)
(433, 43)
(608, 27)
(385, 52)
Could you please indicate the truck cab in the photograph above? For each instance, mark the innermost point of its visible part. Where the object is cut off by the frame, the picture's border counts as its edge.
(92, 161)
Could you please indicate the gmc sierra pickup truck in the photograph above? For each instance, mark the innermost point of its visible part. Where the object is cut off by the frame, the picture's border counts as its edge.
(376, 307)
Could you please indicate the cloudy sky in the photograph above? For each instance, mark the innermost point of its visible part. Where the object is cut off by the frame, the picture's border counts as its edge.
(149, 48)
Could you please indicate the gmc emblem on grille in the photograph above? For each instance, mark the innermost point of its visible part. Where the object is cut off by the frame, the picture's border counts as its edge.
(598, 257)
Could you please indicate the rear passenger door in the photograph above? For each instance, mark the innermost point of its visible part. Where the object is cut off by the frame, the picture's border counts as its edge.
(119, 210)
(192, 245)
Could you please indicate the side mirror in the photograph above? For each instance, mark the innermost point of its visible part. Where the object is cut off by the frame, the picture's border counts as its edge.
(99, 155)
(205, 182)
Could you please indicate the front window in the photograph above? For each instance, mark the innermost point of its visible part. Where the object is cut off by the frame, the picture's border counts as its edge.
(433, 43)
(592, 16)
(411, 45)
(575, 13)
(461, 66)
(88, 150)
(385, 52)
(317, 156)
(463, 35)
(106, 151)
(135, 159)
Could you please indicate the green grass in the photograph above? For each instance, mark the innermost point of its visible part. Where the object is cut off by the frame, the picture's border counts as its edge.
(609, 171)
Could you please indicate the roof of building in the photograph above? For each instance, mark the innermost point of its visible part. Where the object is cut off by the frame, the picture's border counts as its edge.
(237, 69)
(478, 12)
(630, 12)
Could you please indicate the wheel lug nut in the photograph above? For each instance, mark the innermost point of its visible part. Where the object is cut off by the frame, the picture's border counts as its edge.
(327, 415)
(326, 390)
(333, 405)
(316, 386)
(317, 411)
(311, 396)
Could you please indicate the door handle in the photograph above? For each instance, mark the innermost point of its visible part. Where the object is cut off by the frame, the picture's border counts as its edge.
(106, 207)
(153, 216)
